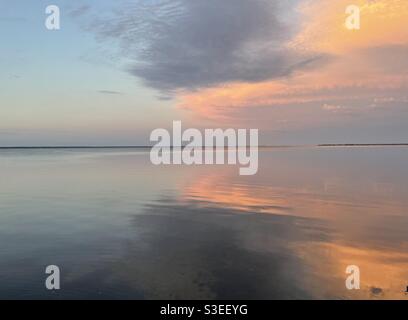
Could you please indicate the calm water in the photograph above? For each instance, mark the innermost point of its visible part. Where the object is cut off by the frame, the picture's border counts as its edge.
(119, 227)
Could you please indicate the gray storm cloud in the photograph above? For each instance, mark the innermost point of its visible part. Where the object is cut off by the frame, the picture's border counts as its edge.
(190, 44)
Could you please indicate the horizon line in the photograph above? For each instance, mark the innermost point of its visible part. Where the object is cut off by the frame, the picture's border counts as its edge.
(147, 146)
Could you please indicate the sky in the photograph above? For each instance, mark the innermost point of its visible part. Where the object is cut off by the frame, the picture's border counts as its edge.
(117, 70)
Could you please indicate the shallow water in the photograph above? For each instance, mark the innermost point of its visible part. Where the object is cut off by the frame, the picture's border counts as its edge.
(119, 227)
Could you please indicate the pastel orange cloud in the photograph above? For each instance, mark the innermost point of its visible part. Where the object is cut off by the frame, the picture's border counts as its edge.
(353, 70)
(383, 22)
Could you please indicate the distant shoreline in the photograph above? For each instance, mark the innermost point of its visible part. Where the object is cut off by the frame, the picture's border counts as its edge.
(363, 145)
(275, 146)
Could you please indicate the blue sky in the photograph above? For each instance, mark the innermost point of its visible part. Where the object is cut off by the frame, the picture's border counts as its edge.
(63, 87)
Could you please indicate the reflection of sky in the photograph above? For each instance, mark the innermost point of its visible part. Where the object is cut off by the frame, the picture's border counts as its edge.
(121, 227)
(361, 199)
(115, 71)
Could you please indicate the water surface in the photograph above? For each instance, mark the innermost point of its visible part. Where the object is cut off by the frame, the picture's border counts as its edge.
(119, 227)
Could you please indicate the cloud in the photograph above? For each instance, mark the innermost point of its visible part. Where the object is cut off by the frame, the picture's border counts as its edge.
(109, 92)
(323, 29)
(79, 11)
(192, 44)
(332, 107)
(354, 80)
